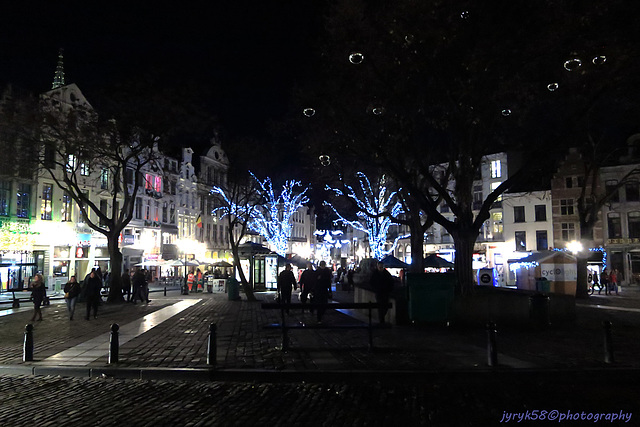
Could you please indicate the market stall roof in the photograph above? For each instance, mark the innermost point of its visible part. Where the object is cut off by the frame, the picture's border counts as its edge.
(434, 261)
(251, 248)
(297, 260)
(222, 264)
(539, 257)
(392, 262)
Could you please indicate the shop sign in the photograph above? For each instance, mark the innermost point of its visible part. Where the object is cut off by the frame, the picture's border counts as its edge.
(559, 272)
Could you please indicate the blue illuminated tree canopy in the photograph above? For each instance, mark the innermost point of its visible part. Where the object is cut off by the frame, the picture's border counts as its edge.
(273, 218)
(375, 209)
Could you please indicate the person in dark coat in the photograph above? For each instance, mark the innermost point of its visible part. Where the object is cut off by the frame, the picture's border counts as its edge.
(307, 283)
(382, 285)
(126, 284)
(38, 293)
(71, 291)
(286, 281)
(322, 288)
(93, 286)
(138, 281)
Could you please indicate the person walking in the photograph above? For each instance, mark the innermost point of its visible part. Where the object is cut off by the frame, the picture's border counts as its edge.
(126, 284)
(613, 279)
(307, 283)
(322, 288)
(604, 282)
(71, 291)
(382, 285)
(93, 286)
(286, 281)
(38, 293)
(190, 279)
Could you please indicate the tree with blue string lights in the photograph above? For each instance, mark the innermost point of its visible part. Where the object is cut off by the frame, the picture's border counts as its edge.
(375, 208)
(272, 219)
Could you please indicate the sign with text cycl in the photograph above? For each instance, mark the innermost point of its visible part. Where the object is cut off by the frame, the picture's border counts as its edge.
(559, 272)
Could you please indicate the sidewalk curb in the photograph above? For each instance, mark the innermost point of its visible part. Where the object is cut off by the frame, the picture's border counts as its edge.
(619, 375)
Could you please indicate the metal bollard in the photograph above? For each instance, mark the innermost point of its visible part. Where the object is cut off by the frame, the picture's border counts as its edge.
(113, 344)
(212, 346)
(492, 348)
(16, 302)
(165, 291)
(27, 351)
(608, 343)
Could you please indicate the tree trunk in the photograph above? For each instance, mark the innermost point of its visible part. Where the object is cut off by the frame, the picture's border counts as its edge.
(115, 256)
(417, 249)
(582, 286)
(248, 288)
(463, 244)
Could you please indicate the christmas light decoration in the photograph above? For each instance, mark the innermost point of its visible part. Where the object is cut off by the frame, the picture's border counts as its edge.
(329, 241)
(272, 217)
(375, 210)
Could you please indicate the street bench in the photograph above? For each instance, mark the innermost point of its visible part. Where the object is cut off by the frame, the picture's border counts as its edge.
(283, 307)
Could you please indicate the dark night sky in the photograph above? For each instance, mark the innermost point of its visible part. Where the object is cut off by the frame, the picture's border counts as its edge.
(244, 54)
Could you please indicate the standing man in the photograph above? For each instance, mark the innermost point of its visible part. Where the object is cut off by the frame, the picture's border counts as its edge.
(126, 284)
(322, 288)
(382, 285)
(93, 286)
(307, 283)
(286, 281)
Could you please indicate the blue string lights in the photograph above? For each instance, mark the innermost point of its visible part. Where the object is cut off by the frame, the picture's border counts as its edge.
(271, 217)
(375, 209)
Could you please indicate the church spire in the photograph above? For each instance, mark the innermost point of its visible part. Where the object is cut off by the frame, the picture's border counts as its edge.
(58, 78)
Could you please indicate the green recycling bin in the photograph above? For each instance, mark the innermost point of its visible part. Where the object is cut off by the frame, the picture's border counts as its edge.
(430, 296)
(233, 289)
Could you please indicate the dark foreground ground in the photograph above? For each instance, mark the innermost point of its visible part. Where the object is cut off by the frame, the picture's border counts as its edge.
(417, 375)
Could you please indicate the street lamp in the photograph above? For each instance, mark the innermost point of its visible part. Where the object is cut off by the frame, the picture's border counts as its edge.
(574, 246)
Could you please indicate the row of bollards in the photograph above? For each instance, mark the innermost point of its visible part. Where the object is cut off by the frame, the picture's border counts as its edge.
(492, 347)
(114, 344)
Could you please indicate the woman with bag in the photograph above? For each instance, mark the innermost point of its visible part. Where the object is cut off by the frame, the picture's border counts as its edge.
(71, 291)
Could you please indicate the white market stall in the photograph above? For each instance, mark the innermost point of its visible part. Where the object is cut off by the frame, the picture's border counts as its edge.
(558, 268)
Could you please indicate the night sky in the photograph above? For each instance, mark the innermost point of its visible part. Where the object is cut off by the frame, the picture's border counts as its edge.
(245, 55)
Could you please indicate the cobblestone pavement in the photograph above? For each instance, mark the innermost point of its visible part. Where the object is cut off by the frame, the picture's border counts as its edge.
(244, 343)
(452, 401)
(417, 375)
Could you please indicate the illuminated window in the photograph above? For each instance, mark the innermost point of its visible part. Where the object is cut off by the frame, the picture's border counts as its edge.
(65, 212)
(5, 197)
(71, 163)
(104, 179)
(521, 241)
(496, 169)
(495, 185)
(45, 204)
(84, 169)
(148, 182)
(158, 184)
(22, 202)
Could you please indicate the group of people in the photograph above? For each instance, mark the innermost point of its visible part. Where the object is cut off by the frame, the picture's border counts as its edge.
(315, 286)
(89, 290)
(607, 281)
